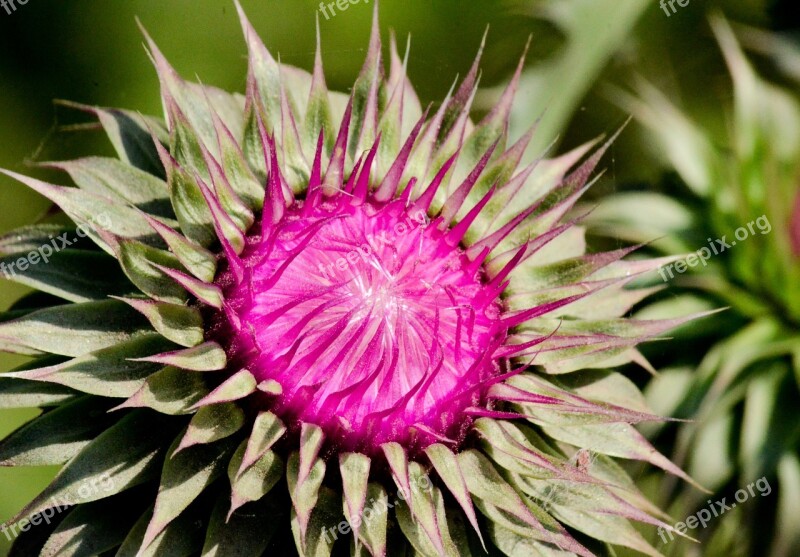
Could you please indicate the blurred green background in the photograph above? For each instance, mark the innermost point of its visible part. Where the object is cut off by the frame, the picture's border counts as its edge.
(91, 52)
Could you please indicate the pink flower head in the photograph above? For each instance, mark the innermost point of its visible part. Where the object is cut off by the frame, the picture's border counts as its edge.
(375, 323)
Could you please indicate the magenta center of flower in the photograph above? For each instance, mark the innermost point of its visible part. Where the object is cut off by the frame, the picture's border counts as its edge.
(374, 326)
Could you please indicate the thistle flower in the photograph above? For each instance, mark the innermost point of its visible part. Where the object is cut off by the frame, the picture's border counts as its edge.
(313, 323)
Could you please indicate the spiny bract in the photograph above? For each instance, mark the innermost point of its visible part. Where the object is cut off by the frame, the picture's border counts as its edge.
(338, 324)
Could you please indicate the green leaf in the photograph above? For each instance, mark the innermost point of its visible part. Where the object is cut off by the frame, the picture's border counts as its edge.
(107, 372)
(246, 533)
(318, 539)
(765, 427)
(73, 329)
(304, 491)
(212, 423)
(181, 324)
(168, 391)
(65, 275)
(354, 468)
(92, 529)
(30, 238)
(208, 356)
(184, 477)
(95, 215)
(123, 456)
(58, 435)
(374, 521)
(20, 393)
(121, 182)
(787, 540)
(129, 134)
(256, 481)
(138, 260)
(183, 537)
(267, 430)
(575, 67)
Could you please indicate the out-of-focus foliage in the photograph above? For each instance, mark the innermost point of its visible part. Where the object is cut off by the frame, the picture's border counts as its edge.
(743, 395)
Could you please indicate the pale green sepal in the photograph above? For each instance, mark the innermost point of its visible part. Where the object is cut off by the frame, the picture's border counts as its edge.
(184, 477)
(374, 520)
(619, 440)
(198, 260)
(256, 481)
(107, 372)
(139, 263)
(512, 544)
(212, 423)
(119, 181)
(123, 456)
(589, 509)
(71, 330)
(181, 324)
(208, 356)
(317, 539)
(239, 385)
(129, 133)
(170, 391)
(28, 238)
(21, 393)
(267, 430)
(246, 533)
(446, 465)
(100, 218)
(397, 458)
(429, 532)
(62, 276)
(304, 489)
(56, 436)
(188, 203)
(318, 118)
(498, 500)
(354, 468)
(92, 529)
(183, 537)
